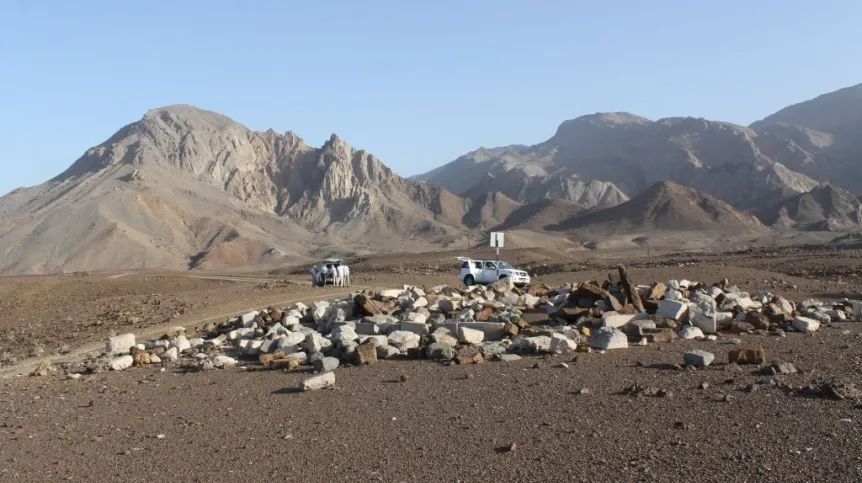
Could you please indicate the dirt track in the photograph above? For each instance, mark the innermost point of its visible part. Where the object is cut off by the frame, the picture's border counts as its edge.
(234, 425)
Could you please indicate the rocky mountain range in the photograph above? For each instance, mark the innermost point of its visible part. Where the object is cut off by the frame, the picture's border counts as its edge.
(616, 156)
(188, 188)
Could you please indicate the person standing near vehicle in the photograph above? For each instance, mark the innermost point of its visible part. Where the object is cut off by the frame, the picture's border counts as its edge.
(343, 275)
(333, 273)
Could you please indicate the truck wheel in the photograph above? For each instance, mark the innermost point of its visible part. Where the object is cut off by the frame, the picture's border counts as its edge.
(469, 280)
(503, 277)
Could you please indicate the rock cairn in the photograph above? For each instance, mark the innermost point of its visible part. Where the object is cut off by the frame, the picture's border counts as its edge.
(474, 324)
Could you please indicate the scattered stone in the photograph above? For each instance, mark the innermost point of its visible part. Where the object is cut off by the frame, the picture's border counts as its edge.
(779, 367)
(540, 343)
(325, 364)
(366, 354)
(224, 361)
(672, 309)
(120, 344)
(403, 340)
(43, 369)
(840, 390)
(141, 358)
(509, 357)
(122, 362)
(805, 324)
(439, 351)
(747, 356)
(698, 358)
(469, 355)
(470, 336)
(607, 338)
(560, 344)
(689, 332)
(322, 381)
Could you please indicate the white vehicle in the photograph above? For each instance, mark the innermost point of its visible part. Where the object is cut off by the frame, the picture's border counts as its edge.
(489, 271)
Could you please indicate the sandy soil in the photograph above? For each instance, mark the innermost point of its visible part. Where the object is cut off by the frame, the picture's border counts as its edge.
(441, 423)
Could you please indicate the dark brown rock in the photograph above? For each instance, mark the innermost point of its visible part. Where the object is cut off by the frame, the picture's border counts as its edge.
(469, 355)
(275, 314)
(289, 363)
(571, 314)
(747, 356)
(592, 292)
(366, 305)
(659, 335)
(366, 354)
(268, 359)
(539, 290)
(630, 290)
(758, 320)
(485, 314)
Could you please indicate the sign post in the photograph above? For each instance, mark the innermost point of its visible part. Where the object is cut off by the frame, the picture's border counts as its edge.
(497, 242)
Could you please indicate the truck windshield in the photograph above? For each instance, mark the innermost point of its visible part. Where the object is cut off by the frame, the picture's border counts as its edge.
(504, 266)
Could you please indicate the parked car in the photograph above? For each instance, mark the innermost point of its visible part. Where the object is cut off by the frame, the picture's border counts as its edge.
(320, 274)
(489, 271)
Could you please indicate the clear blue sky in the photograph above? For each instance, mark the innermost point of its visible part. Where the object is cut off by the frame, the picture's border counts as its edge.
(416, 83)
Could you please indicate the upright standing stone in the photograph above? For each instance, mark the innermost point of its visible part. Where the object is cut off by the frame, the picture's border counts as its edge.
(630, 290)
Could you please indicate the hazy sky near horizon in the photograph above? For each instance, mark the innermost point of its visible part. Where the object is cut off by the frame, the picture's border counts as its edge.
(416, 83)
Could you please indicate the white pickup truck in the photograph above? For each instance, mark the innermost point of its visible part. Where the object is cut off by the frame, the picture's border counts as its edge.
(489, 271)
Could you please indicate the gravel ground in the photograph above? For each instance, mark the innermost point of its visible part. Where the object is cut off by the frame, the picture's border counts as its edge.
(450, 423)
(440, 423)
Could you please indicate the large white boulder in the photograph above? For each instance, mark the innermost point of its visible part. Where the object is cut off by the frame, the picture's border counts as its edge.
(120, 344)
(805, 324)
(672, 309)
(607, 338)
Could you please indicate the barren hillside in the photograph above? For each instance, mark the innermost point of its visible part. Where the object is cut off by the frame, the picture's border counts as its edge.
(824, 208)
(665, 206)
(188, 187)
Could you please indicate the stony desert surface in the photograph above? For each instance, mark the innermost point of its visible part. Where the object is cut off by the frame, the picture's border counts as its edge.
(634, 414)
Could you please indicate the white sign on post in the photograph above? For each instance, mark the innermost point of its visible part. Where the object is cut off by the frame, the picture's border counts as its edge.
(497, 242)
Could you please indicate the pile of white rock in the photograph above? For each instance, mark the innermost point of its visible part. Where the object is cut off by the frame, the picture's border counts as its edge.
(474, 324)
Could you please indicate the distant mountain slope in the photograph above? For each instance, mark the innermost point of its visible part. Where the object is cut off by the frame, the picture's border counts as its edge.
(665, 206)
(540, 215)
(825, 136)
(625, 154)
(824, 208)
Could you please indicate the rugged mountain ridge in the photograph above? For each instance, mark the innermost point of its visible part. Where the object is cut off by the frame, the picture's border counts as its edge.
(626, 154)
(184, 187)
(188, 187)
(787, 153)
